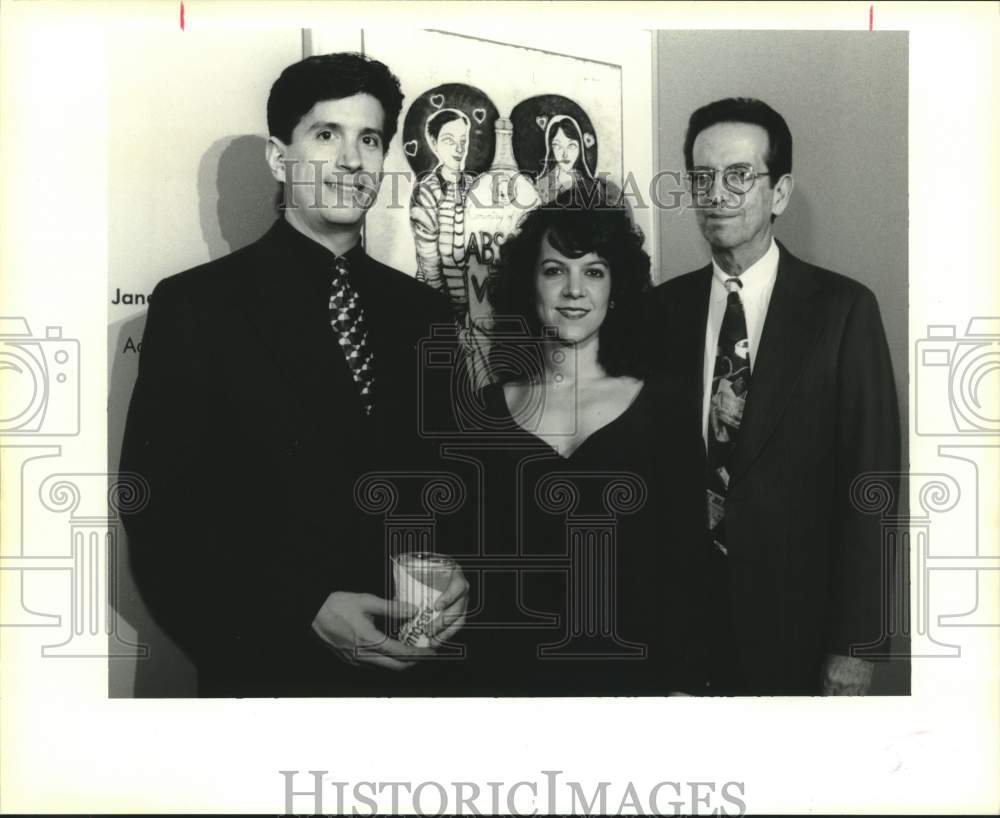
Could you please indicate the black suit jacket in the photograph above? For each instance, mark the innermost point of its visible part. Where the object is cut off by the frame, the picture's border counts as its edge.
(247, 425)
(805, 567)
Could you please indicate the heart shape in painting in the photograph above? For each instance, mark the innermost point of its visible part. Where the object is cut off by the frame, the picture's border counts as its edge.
(410, 148)
(437, 100)
(588, 140)
(542, 121)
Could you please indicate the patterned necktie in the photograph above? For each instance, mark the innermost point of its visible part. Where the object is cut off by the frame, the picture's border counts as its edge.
(730, 386)
(348, 321)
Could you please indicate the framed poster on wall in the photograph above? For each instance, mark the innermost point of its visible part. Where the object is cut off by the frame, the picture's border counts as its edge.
(533, 63)
(489, 130)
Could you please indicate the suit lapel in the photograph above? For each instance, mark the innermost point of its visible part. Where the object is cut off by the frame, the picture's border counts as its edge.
(386, 322)
(690, 318)
(791, 326)
(291, 325)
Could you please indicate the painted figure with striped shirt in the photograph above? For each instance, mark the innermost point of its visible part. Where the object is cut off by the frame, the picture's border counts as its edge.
(437, 209)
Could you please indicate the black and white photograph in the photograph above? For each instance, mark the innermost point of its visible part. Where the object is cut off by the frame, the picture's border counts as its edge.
(490, 377)
(558, 414)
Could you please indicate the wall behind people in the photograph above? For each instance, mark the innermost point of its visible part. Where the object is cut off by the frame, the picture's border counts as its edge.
(844, 96)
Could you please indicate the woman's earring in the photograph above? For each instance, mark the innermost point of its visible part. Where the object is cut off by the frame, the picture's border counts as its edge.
(611, 304)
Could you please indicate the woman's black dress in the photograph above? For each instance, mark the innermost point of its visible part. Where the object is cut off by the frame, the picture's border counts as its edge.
(592, 579)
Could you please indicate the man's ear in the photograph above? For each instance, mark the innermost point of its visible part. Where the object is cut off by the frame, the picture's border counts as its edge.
(275, 153)
(781, 193)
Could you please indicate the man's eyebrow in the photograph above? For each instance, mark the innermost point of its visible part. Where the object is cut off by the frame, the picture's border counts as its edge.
(336, 126)
(325, 126)
(730, 165)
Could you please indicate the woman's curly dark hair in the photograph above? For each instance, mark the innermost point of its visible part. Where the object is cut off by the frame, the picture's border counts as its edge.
(575, 228)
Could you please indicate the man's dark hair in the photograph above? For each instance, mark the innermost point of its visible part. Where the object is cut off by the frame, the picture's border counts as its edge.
(753, 112)
(575, 230)
(331, 76)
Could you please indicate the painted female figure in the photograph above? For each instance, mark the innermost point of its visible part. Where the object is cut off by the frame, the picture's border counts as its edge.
(565, 164)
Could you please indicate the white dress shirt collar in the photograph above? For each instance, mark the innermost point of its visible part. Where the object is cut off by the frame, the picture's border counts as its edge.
(756, 279)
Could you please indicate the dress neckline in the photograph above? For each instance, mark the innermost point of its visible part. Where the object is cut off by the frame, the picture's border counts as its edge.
(502, 398)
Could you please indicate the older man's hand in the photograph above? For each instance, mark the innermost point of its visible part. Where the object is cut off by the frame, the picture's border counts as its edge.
(846, 676)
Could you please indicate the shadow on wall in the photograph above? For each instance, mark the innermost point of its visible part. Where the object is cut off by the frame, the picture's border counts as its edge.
(236, 195)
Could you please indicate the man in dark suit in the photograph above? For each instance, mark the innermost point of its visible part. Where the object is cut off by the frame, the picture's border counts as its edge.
(797, 401)
(269, 380)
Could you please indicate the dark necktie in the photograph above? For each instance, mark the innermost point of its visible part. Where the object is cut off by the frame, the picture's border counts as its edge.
(730, 386)
(348, 321)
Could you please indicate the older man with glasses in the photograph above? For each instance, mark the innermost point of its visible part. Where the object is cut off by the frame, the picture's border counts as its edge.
(797, 402)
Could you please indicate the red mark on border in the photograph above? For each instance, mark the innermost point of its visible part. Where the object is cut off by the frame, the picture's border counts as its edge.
(182, 15)
(871, 17)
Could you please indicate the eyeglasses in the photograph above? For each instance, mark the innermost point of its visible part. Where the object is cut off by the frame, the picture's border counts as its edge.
(735, 178)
